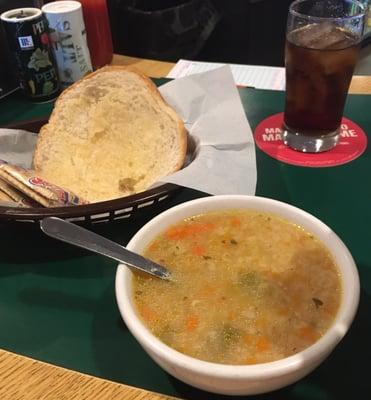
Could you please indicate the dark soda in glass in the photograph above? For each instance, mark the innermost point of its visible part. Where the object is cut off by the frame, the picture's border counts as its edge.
(320, 60)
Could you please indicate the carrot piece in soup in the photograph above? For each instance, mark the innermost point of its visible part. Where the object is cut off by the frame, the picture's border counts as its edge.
(204, 227)
(185, 231)
(198, 250)
(176, 232)
(153, 246)
(262, 344)
(191, 323)
(236, 222)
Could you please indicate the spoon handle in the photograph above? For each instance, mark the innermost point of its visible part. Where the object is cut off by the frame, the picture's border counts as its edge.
(73, 234)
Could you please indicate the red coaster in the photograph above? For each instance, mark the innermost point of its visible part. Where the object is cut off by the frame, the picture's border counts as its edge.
(352, 144)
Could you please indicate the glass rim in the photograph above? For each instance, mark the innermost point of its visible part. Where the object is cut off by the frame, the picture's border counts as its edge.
(347, 17)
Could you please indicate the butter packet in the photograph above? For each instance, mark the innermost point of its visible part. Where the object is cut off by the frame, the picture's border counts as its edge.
(33, 186)
(14, 197)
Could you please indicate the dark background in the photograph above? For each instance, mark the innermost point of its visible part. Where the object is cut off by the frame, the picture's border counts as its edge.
(243, 31)
(247, 31)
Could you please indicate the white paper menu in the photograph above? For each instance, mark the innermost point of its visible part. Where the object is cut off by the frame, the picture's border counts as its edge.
(257, 76)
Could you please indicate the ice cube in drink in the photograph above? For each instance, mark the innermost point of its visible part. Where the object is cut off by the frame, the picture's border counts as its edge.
(320, 59)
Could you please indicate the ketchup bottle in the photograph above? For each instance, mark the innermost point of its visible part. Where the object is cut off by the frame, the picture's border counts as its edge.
(98, 31)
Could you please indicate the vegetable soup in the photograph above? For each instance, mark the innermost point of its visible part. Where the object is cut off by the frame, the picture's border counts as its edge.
(248, 287)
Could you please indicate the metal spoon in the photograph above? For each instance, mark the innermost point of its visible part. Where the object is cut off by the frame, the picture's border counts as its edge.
(73, 234)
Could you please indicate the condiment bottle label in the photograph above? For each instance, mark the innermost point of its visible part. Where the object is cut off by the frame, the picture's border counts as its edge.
(68, 36)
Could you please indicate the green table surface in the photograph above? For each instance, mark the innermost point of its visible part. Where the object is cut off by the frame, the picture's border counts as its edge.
(57, 303)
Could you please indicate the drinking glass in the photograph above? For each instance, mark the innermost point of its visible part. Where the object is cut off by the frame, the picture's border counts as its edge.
(322, 44)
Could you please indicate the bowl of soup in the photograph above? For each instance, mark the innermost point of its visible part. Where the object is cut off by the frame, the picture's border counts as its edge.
(260, 293)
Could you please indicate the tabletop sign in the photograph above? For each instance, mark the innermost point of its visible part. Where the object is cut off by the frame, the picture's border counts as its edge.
(353, 142)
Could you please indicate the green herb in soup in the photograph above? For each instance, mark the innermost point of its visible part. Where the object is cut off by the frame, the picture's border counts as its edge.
(248, 288)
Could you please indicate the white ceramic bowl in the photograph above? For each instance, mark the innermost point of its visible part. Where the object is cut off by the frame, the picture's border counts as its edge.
(246, 379)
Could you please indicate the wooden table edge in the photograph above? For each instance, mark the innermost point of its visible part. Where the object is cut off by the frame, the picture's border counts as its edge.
(23, 378)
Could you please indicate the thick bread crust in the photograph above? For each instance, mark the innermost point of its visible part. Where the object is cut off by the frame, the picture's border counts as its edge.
(46, 133)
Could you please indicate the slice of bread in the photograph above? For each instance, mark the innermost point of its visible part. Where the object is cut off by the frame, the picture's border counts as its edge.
(110, 135)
